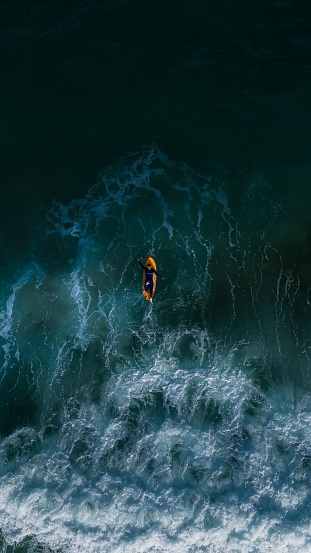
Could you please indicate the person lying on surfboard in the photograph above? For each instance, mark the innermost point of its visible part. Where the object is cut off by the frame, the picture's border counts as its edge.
(149, 272)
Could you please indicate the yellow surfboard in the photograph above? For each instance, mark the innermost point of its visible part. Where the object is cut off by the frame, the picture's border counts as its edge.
(153, 264)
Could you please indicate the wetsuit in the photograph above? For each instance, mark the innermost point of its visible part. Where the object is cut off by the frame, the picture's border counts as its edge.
(149, 277)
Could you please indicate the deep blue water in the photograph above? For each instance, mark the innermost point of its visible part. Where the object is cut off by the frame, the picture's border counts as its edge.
(182, 132)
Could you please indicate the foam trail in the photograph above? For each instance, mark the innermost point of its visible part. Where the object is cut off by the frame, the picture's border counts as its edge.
(181, 425)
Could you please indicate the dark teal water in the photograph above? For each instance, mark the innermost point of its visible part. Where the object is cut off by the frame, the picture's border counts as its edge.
(181, 131)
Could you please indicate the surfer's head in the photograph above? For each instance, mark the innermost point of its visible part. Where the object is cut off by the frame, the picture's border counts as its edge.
(148, 266)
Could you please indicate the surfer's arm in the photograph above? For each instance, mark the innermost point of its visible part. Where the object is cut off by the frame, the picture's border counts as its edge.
(141, 264)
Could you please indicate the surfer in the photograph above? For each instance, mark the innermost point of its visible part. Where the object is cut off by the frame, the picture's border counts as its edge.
(149, 272)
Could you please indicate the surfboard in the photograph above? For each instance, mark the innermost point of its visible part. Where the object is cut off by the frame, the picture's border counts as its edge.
(153, 264)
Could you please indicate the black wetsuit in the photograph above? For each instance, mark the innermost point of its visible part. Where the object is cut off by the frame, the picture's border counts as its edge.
(149, 277)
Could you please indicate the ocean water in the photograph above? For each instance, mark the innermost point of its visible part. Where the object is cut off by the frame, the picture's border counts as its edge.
(181, 425)
(180, 132)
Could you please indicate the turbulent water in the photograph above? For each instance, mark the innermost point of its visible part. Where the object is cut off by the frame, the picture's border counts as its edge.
(178, 426)
(182, 425)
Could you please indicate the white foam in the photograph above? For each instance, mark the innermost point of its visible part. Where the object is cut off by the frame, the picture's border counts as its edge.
(185, 447)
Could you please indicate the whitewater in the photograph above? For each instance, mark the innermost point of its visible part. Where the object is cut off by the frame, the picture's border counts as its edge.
(178, 426)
